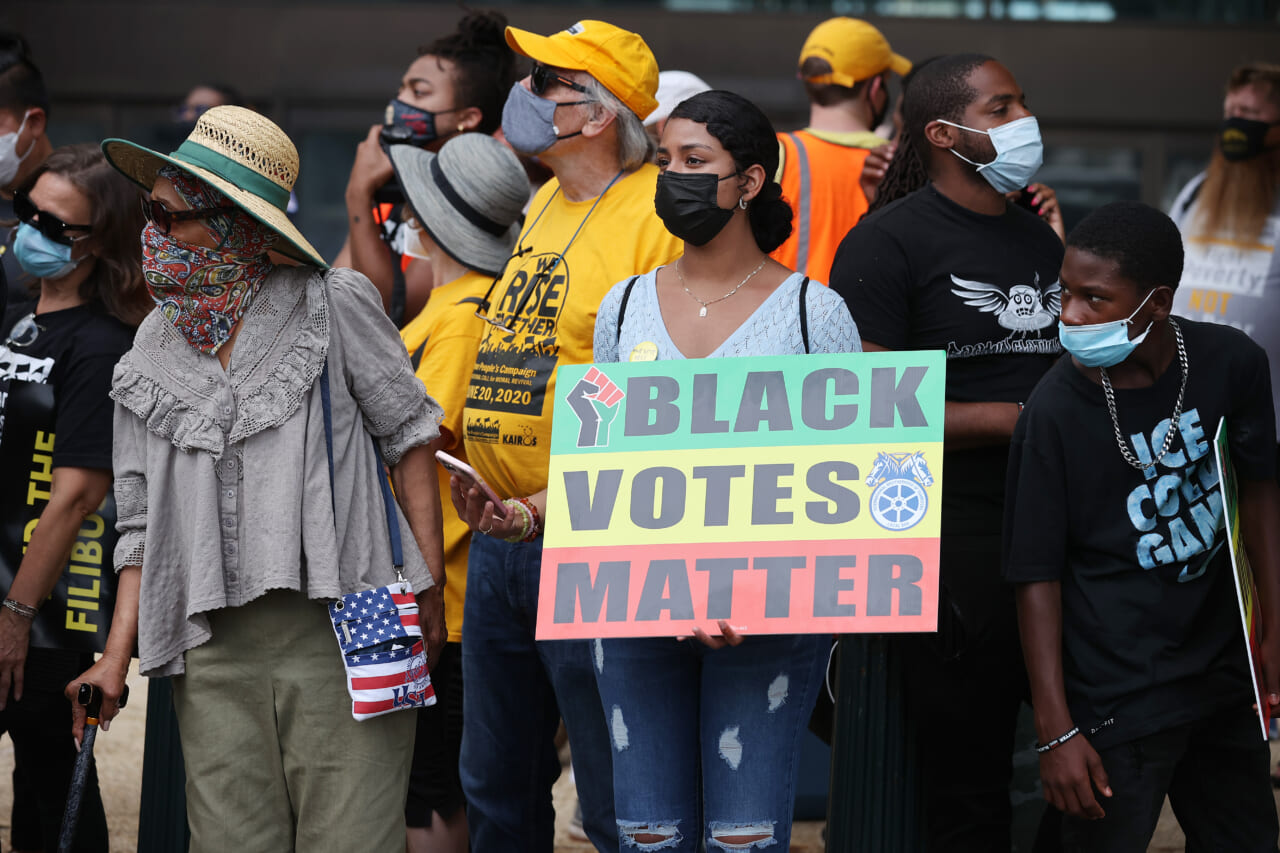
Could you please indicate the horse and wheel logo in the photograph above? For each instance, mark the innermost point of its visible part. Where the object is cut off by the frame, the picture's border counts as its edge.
(899, 500)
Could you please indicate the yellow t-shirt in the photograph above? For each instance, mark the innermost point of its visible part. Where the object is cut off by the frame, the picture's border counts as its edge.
(509, 402)
(448, 332)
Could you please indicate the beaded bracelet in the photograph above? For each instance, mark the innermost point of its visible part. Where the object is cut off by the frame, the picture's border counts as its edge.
(536, 522)
(526, 519)
(26, 611)
(1058, 741)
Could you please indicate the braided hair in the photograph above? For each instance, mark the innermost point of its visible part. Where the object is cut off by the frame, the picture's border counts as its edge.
(935, 89)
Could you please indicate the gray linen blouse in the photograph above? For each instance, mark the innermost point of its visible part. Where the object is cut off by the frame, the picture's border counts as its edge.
(222, 479)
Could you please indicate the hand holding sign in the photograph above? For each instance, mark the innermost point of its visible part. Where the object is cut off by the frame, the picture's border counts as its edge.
(728, 636)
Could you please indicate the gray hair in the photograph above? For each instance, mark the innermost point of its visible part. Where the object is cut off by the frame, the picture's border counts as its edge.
(635, 146)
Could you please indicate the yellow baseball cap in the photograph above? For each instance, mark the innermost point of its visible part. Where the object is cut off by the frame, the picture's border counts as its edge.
(855, 49)
(618, 58)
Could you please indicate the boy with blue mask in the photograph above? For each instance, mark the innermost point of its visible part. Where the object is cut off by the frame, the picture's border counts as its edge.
(1114, 535)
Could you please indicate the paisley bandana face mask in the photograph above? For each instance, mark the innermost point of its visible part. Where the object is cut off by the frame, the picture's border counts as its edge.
(203, 292)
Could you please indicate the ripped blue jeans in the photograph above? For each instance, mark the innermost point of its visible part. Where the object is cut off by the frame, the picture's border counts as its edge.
(705, 741)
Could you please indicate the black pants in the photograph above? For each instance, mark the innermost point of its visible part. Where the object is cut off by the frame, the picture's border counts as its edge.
(45, 756)
(434, 784)
(963, 687)
(1216, 773)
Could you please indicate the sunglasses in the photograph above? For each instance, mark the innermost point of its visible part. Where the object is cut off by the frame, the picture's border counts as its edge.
(44, 222)
(24, 332)
(164, 218)
(542, 77)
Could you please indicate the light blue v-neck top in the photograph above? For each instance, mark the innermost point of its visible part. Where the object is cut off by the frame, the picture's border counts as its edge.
(772, 329)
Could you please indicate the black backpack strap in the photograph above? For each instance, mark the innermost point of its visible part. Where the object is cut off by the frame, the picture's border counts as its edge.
(804, 314)
(622, 306)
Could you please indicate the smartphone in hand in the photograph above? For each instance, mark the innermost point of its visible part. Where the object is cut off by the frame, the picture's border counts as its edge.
(469, 478)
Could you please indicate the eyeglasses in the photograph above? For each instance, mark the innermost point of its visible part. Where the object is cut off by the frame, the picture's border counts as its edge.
(164, 218)
(44, 222)
(541, 77)
(24, 332)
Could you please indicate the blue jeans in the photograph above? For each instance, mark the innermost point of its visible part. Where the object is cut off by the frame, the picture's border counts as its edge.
(515, 691)
(706, 740)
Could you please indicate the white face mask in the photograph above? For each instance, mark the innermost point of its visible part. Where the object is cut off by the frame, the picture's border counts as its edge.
(10, 160)
(1019, 153)
(411, 244)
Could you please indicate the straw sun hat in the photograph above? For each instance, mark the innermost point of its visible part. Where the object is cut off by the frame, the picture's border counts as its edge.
(241, 153)
(468, 197)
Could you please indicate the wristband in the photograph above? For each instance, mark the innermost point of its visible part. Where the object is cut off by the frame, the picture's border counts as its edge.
(26, 611)
(1058, 741)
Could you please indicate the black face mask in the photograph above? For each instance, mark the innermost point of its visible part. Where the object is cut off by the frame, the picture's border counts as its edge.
(686, 204)
(1242, 138)
(405, 124)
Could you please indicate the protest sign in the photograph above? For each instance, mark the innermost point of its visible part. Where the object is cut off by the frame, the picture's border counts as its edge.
(785, 494)
(77, 615)
(1246, 593)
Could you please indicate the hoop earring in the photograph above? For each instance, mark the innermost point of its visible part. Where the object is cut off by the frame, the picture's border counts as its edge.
(742, 202)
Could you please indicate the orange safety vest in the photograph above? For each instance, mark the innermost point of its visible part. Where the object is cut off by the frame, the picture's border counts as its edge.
(820, 182)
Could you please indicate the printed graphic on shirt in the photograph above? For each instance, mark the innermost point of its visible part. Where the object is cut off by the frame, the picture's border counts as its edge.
(515, 363)
(1178, 513)
(1216, 271)
(1024, 310)
(899, 500)
(24, 368)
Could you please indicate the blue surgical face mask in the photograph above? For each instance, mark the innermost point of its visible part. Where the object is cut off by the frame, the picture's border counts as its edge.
(1103, 344)
(42, 257)
(1019, 153)
(529, 122)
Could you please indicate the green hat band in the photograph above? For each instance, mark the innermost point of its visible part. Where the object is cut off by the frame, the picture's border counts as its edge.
(237, 173)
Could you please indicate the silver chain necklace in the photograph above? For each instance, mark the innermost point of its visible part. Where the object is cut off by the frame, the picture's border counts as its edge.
(1173, 421)
(702, 312)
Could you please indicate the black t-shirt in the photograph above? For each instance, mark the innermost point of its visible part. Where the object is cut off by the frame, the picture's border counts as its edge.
(75, 350)
(926, 273)
(1150, 628)
(14, 280)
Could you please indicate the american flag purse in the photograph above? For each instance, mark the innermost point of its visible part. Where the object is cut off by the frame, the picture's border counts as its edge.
(378, 630)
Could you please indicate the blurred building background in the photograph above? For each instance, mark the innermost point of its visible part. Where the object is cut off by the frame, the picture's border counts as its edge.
(1128, 92)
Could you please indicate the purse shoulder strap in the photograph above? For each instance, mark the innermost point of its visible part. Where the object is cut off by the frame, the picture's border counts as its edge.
(388, 500)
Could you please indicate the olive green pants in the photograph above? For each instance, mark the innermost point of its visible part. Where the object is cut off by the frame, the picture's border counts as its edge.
(274, 760)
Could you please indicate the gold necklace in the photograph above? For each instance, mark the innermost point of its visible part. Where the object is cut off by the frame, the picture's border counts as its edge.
(702, 312)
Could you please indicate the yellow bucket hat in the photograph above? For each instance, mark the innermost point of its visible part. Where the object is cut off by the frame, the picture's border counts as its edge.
(243, 154)
(855, 50)
(618, 58)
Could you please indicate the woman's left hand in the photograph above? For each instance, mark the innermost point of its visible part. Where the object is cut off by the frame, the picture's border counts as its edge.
(15, 636)
(431, 617)
(729, 636)
(480, 513)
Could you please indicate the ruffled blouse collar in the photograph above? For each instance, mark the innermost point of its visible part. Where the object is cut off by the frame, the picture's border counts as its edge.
(278, 355)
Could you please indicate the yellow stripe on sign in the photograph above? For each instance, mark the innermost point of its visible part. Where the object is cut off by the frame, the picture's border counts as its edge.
(774, 494)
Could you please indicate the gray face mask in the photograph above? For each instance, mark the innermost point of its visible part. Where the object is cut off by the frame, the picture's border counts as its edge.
(529, 122)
